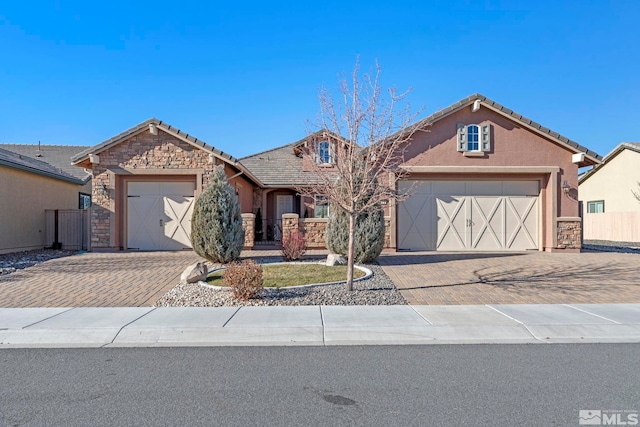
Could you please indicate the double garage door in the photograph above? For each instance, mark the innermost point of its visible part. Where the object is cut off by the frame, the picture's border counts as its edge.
(159, 215)
(469, 216)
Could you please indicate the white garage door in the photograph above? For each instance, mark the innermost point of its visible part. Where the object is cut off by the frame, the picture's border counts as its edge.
(159, 215)
(469, 215)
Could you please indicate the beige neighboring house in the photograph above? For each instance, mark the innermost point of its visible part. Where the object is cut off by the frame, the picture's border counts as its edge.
(33, 179)
(610, 209)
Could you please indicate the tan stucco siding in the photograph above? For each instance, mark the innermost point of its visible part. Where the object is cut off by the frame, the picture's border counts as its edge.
(511, 145)
(613, 182)
(23, 199)
(244, 189)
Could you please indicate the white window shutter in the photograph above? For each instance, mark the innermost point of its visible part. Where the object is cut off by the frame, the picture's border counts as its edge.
(462, 137)
(485, 141)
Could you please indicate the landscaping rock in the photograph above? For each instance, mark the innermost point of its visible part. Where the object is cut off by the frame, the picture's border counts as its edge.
(336, 259)
(194, 273)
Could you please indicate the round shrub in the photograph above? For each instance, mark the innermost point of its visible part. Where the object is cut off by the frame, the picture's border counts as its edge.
(368, 238)
(216, 225)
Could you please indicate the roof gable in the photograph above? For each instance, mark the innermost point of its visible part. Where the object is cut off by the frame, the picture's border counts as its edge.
(146, 125)
(631, 146)
(591, 157)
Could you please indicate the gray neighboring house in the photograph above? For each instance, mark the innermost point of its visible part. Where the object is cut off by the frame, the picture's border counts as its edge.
(35, 178)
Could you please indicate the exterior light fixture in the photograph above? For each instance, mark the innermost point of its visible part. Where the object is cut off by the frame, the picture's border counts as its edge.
(566, 187)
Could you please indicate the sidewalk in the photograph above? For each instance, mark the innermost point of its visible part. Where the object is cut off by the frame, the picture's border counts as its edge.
(318, 325)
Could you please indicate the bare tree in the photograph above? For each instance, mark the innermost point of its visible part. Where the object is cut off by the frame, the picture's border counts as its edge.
(367, 132)
(637, 195)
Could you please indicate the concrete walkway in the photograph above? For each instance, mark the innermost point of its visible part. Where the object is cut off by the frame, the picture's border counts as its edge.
(318, 325)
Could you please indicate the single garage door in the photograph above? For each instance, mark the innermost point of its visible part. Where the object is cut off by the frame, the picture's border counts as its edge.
(469, 216)
(159, 215)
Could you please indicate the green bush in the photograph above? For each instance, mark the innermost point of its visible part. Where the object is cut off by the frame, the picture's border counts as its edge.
(368, 239)
(244, 278)
(216, 225)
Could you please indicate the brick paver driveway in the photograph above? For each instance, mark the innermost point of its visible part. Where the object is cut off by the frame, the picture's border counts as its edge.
(515, 278)
(121, 279)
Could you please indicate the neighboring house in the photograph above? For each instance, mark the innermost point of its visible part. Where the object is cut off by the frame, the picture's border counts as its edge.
(33, 179)
(610, 209)
(480, 177)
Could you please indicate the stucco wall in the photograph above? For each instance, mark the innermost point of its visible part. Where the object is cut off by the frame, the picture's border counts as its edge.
(24, 197)
(512, 145)
(613, 183)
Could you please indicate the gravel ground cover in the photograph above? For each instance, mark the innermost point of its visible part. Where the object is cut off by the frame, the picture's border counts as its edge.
(377, 290)
(19, 260)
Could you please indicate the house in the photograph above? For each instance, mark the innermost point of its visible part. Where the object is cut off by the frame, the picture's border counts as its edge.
(35, 178)
(479, 177)
(611, 211)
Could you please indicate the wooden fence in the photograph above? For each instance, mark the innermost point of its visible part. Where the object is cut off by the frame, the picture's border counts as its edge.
(613, 226)
(73, 228)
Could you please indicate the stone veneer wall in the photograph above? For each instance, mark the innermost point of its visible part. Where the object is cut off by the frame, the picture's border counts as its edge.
(314, 229)
(248, 225)
(143, 151)
(569, 234)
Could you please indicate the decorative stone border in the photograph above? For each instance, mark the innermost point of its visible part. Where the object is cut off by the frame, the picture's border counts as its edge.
(367, 274)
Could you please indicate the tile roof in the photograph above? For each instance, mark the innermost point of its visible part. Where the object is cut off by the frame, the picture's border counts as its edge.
(279, 167)
(58, 156)
(29, 164)
(144, 125)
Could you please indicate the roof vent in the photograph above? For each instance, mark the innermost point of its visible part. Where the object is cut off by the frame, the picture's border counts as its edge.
(153, 129)
(476, 106)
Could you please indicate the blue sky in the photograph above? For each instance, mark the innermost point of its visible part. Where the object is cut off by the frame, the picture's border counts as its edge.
(245, 76)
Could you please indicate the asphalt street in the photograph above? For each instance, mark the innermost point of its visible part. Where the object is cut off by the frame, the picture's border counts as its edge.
(439, 385)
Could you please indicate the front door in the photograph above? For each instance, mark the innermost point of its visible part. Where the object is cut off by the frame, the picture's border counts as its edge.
(284, 204)
(159, 215)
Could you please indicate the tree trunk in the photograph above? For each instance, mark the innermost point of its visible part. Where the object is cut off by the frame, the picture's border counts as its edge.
(350, 253)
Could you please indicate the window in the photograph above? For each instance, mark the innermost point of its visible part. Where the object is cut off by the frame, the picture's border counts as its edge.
(323, 152)
(595, 207)
(474, 138)
(322, 207)
(84, 201)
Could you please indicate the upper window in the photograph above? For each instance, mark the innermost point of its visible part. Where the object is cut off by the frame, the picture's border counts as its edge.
(474, 138)
(323, 152)
(322, 206)
(595, 207)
